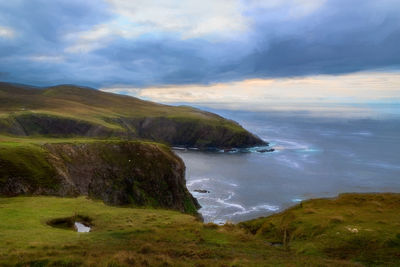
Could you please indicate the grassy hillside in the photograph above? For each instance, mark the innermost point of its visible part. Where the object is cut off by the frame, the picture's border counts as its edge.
(131, 237)
(362, 228)
(70, 111)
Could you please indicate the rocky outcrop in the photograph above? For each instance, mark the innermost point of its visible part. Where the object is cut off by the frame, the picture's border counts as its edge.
(117, 172)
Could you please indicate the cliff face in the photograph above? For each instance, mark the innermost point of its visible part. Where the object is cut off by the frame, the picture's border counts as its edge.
(117, 172)
(172, 131)
(191, 133)
(72, 111)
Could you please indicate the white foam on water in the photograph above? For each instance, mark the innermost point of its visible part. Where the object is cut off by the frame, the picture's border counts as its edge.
(309, 150)
(366, 133)
(198, 196)
(297, 200)
(231, 194)
(291, 163)
(220, 222)
(289, 144)
(383, 165)
(266, 207)
(197, 181)
(233, 205)
(209, 210)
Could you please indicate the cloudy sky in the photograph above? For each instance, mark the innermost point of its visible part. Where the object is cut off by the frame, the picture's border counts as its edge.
(208, 50)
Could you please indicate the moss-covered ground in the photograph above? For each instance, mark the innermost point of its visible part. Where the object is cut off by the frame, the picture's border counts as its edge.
(318, 233)
(361, 228)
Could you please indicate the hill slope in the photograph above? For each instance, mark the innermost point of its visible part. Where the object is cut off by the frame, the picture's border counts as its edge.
(149, 237)
(70, 111)
(351, 227)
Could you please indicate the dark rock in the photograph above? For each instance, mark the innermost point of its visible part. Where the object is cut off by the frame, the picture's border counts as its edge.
(201, 191)
(227, 150)
(266, 150)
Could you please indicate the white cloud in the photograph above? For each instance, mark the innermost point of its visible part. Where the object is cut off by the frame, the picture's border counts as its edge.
(213, 19)
(189, 18)
(6, 32)
(47, 58)
(293, 8)
(86, 41)
(264, 93)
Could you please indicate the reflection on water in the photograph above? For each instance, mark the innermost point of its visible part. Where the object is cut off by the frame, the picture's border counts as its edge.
(81, 228)
(314, 157)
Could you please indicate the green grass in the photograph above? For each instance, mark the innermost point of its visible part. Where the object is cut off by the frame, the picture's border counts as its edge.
(156, 237)
(94, 106)
(26, 160)
(13, 141)
(357, 227)
(69, 111)
(122, 236)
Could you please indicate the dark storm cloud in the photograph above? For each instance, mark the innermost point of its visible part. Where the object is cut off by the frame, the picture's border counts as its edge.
(341, 37)
(337, 37)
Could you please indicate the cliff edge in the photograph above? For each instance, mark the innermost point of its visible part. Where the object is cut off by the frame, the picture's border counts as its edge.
(117, 172)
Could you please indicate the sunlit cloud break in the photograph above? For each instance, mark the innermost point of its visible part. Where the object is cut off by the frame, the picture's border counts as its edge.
(262, 93)
(6, 32)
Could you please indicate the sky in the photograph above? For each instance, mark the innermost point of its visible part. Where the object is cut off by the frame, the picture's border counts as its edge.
(230, 51)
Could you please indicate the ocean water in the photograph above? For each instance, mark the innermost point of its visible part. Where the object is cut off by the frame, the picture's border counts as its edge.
(314, 157)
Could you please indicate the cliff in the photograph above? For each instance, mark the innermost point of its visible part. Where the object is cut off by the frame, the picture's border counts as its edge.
(73, 111)
(117, 172)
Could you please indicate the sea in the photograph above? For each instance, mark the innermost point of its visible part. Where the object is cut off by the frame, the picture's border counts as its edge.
(316, 156)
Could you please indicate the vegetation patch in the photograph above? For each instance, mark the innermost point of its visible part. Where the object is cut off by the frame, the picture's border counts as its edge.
(154, 237)
(345, 228)
(27, 166)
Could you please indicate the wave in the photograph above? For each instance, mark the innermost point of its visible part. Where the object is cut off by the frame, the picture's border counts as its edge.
(197, 181)
(366, 133)
(266, 207)
(288, 162)
(234, 205)
(190, 183)
(289, 144)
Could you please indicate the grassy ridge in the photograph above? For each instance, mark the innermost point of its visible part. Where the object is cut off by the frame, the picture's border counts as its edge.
(72, 111)
(126, 236)
(356, 227)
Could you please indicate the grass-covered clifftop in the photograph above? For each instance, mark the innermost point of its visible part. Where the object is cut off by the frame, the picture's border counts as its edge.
(362, 228)
(318, 232)
(118, 172)
(73, 111)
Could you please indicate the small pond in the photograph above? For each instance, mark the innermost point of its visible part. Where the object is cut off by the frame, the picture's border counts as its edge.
(79, 223)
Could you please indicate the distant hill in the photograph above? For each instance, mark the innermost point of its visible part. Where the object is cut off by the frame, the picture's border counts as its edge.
(74, 111)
